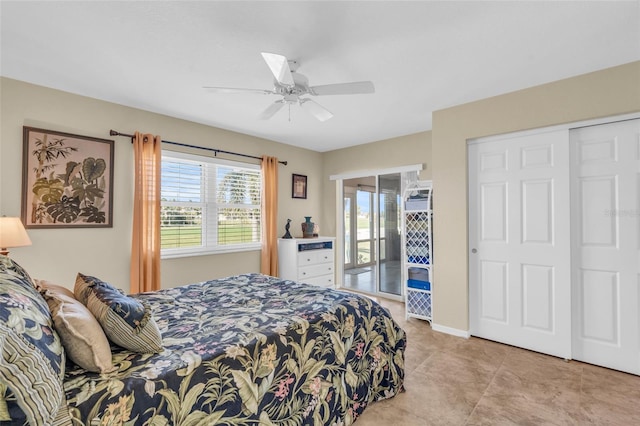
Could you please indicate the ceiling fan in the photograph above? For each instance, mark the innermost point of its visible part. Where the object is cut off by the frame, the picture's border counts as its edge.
(292, 85)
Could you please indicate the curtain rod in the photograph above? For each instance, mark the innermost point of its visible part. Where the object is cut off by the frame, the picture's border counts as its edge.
(215, 150)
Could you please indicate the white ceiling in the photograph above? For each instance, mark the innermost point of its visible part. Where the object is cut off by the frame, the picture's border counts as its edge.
(421, 56)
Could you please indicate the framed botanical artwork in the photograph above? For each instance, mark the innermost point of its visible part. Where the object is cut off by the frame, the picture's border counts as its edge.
(67, 180)
(298, 186)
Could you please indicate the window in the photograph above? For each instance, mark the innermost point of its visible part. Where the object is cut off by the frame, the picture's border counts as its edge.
(208, 205)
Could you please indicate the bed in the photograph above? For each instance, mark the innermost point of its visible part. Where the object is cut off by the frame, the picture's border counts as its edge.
(244, 350)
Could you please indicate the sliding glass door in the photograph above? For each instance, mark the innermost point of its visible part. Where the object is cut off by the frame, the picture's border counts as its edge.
(390, 223)
(371, 213)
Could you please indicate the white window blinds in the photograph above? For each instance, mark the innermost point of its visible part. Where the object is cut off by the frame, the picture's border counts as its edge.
(208, 205)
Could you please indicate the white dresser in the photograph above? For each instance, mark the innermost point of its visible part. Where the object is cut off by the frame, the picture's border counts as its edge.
(309, 260)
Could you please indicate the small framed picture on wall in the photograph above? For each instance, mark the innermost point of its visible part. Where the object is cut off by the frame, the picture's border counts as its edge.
(298, 186)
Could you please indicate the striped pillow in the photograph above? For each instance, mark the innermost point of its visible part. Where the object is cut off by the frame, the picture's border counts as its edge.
(127, 322)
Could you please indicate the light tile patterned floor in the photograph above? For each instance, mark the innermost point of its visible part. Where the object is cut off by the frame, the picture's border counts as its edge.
(365, 280)
(456, 381)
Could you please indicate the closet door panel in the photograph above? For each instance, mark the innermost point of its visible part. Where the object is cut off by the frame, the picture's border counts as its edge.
(598, 201)
(538, 290)
(519, 264)
(493, 212)
(537, 212)
(605, 248)
(494, 291)
(600, 307)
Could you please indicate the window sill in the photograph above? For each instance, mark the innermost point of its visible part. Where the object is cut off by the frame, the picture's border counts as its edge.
(175, 254)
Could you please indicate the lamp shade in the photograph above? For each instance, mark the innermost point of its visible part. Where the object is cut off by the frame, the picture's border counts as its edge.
(12, 233)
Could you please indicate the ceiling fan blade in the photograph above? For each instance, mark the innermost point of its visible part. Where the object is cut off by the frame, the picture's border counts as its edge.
(271, 110)
(355, 88)
(279, 66)
(235, 90)
(315, 109)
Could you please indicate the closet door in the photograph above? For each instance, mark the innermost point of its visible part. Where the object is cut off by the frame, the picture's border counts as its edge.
(519, 260)
(606, 242)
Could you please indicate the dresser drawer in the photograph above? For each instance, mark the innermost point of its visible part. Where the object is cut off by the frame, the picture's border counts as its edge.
(313, 257)
(306, 272)
(321, 281)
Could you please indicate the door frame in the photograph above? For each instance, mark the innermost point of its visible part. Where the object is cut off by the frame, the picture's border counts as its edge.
(374, 223)
(354, 242)
(352, 226)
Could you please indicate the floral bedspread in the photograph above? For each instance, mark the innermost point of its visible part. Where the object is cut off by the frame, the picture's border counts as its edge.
(249, 350)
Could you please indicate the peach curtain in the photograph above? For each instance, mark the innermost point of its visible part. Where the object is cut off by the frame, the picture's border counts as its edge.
(269, 258)
(145, 246)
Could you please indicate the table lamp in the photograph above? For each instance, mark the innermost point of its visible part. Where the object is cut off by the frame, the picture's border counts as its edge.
(12, 234)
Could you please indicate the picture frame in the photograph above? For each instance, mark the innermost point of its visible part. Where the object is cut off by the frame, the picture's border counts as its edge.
(298, 186)
(67, 180)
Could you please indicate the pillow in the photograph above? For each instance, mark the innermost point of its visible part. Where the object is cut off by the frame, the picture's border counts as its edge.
(127, 322)
(83, 339)
(43, 285)
(31, 354)
(11, 268)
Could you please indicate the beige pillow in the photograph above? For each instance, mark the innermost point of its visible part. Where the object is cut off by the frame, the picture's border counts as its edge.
(43, 285)
(82, 336)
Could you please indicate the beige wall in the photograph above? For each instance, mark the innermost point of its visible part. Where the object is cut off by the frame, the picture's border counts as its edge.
(58, 255)
(604, 93)
(395, 152)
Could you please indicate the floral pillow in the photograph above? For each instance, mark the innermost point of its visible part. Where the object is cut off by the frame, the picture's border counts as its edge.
(32, 358)
(126, 321)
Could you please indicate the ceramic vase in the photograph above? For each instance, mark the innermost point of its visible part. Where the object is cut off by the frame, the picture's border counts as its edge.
(307, 227)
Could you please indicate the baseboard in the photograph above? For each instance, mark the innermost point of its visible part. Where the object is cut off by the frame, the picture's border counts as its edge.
(450, 330)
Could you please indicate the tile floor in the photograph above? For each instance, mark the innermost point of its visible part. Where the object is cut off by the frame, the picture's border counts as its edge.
(455, 381)
(390, 278)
